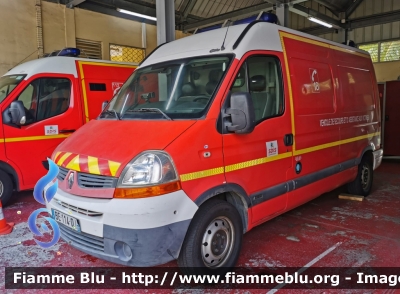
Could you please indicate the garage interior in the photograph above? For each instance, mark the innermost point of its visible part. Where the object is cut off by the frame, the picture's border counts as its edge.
(359, 233)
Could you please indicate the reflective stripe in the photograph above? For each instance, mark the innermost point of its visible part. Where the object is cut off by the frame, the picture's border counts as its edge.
(255, 162)
(35, 138)
(258, 161)
(1, 214)
(333, 144)
(202, 174)
(87, 164)
(63, 158)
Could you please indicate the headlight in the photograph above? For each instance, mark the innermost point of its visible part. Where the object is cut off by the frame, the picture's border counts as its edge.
(149, 168)
(150, 174)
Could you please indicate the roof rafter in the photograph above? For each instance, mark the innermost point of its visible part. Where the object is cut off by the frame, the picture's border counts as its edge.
(308, 12)
(229, 15)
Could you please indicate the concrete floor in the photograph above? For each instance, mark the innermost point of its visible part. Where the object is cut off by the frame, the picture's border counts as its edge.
(367, 233)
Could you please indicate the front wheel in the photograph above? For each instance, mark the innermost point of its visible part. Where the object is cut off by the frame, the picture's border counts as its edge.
(213, 241)
(6, 187)
(362, 184)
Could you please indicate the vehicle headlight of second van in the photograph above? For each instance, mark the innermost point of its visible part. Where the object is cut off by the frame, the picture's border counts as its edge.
(151, 173)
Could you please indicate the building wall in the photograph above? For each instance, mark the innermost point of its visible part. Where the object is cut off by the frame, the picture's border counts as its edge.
(387, 71)
(61, 27)
(18, 32)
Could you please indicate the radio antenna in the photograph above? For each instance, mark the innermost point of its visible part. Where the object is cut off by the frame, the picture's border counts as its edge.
(24, 59)
(223, 43)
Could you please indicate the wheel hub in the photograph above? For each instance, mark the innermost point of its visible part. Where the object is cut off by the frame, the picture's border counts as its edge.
(365, 177)
(1, 189)
(217, 242)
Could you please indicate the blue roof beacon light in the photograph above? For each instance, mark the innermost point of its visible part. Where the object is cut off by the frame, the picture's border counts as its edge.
(264, 16)
(71, 52)
(66, 52)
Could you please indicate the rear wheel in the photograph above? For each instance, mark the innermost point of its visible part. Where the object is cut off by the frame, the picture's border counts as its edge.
(362, 184)
(6, 187)
(213, 241)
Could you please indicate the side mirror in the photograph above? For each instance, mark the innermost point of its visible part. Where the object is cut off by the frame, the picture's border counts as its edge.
(104, 105)
(241, 114)
(17, 113)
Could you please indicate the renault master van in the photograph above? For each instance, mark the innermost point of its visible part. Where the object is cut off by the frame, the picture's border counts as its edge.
(210, 138)
(42, 102)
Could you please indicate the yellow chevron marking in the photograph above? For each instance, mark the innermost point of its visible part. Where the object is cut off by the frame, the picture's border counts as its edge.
(93, 165)
(58, 153)
(114, 166)
(63, 158)
(74, 164)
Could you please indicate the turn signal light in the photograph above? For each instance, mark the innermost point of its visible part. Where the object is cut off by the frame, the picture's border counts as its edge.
(144, 192)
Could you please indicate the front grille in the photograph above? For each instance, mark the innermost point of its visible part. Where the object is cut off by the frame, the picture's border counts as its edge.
(62, 173)
(86, 240)
(78, 209)
(94, 181)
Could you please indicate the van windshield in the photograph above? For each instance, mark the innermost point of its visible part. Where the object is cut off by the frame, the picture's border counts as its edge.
(8, 84)
(178, 89)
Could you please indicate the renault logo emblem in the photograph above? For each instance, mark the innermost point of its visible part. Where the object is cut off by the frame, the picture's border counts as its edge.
(70, 180)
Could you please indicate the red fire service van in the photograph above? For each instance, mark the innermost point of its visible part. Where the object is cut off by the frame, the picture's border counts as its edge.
(210, 138)
(44, 101)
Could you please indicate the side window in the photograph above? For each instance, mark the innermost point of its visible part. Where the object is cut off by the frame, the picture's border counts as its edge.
(261, 77)
(45, 98)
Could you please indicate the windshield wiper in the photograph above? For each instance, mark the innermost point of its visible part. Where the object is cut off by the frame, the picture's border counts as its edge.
(151, 110)
(112, 112)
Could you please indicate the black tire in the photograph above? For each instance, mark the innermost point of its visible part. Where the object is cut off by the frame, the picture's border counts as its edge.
(6, 187)
(224, 219)
(362, 184)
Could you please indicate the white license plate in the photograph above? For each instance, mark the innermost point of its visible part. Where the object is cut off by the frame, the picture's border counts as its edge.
(66, 220)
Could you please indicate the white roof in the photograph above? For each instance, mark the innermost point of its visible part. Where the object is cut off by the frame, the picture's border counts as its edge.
(56, 64)
(261, 36)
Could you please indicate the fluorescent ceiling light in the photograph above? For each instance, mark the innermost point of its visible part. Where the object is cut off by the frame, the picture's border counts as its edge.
(322, 23)
(137, 14)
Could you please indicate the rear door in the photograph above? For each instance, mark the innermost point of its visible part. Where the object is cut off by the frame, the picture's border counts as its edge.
(392, 118)
(52, 114)
(259, 161)
(100, 82)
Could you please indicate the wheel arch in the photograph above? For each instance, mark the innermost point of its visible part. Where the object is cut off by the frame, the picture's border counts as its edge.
(12, 172)
(368, 153)
(233, 194)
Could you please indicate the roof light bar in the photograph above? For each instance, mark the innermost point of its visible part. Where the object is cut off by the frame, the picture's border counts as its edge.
(322, 23)
(137, 14)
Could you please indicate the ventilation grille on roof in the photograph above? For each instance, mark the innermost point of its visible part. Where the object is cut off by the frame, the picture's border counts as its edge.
(89, 49)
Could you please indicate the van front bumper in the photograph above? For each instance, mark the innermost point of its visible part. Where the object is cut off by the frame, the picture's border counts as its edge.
(132, 232)
(378, 155)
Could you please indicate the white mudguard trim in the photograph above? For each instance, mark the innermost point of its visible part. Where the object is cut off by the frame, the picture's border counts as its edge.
(378, 155)
(143, 213)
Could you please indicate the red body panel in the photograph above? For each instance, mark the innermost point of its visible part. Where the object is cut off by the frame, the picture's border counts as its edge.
(26, 148)
(331, 108)
(121, 141)
(112, 76)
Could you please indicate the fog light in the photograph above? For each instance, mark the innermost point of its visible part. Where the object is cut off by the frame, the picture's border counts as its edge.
(123, 251)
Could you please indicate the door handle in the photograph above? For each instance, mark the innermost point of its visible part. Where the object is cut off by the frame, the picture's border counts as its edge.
(66, 131)
(288, 140)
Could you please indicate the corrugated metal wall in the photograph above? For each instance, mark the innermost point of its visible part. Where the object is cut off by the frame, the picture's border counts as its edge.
(362, 35)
